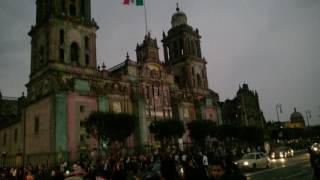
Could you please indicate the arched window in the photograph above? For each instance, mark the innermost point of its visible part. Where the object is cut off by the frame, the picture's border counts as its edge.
(61, 55)
(61, 36)
(199, 80)
(86, 42)
(63, 5)
(72, 10)
(175, 47)
(74, 53)
(87, 59)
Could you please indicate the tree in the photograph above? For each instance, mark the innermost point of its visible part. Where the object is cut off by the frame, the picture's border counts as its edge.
(110, 127)
(199, 130)
(167, 129)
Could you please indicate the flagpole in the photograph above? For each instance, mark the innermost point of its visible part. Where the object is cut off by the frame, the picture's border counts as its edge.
(145, 16)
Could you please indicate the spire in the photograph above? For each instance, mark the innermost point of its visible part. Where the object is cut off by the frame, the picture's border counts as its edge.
(127, 56)
(294, 108)
(163, 34)
(178, 9)
(103, 66)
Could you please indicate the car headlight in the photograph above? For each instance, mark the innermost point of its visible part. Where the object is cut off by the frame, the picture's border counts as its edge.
(281, 154)
(273, 155)
(246, 163)
(315, 149)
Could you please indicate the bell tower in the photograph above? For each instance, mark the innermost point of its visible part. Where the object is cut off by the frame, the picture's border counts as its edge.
(64, 33)
(63, 40)
(182, 52)
(148, 51)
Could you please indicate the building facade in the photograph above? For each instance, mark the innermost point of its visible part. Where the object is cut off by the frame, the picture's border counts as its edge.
(65, 84)
(11, 130)
(243, 110)
(296, 120)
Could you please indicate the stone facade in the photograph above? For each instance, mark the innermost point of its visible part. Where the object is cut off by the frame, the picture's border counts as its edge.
(65, 85)
(11, 129)
(243, 110)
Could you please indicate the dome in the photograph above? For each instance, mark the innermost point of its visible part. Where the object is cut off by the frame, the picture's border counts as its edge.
(178, 18)
(296, 117)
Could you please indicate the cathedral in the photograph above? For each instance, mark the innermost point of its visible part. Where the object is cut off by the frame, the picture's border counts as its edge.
(243, 110)
(66, 85)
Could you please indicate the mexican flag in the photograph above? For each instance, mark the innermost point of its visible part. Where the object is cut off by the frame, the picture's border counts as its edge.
(136, 2)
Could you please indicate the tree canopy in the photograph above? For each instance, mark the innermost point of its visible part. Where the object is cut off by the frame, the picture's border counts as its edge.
(110, 126)
(199, 130)
(167, 128)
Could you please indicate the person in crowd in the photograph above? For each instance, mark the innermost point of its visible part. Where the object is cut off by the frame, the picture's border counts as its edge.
(218, 170)
(29, 175)
(315, 162)
(168, 167)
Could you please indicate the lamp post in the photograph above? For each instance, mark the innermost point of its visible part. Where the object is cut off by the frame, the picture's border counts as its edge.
(278, 106)
(308, 115)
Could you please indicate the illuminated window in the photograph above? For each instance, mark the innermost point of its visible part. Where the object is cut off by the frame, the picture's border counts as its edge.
(186, 113)
(116, 107)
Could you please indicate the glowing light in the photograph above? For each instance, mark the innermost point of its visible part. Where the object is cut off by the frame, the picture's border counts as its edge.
(273, 155)
(181, 171)
(246, 163)
(281, 154)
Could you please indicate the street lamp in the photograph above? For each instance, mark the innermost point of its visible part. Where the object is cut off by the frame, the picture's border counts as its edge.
(278, 106)
(308, 115)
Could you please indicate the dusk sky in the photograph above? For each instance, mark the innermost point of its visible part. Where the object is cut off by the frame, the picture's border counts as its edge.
(272, 45)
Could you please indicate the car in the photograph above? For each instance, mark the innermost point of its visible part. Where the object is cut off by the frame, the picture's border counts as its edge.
(253, 161)
(74, 176)
(281, 152)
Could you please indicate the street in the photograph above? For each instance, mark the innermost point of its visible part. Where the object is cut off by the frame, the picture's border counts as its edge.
(295, 168)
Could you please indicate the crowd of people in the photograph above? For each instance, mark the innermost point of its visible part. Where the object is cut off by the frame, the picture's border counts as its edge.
(170, 164)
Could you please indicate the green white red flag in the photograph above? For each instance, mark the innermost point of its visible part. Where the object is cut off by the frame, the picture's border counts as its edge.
(133, 2)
